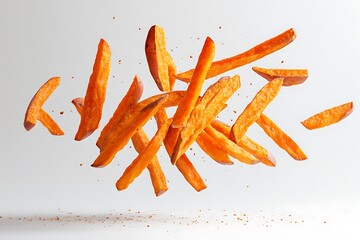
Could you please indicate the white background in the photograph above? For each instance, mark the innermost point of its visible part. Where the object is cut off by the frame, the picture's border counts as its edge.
(41, 177)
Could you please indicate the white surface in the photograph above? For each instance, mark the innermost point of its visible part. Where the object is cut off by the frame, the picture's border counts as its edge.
(41, 176)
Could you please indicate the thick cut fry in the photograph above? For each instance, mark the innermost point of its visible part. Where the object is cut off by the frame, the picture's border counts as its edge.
(79, 104)
(207, 108)
(38, 100)
(280, 138)
(140, 141)
(230, 147)
(253, 54)
(49, 123)
(95, 93)
(328, 116)
(193, 91)
(129, 100)
(290, 76)
(144, 158)
(248, 144)
(212, 148)
(183, 164)
(119, 136)
(161, 65)
(254, 109)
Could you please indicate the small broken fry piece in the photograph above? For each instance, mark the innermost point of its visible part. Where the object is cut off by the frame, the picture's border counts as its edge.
(140, 141)
(120, 136)
(49, 123)
(161, 65)
(79, 104)
(280, 138)
(254, 109)
(143, 159)
(95, 93)
(251, 55)
(38, 100)
(328, 116)
(248, 144)
(129, 100)
(193, 91)
(212, 148)
(207, 108)
(290, 76)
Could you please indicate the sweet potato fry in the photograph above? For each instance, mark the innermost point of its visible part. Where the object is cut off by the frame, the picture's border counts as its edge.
(144, 158)
(119, 136)
(183, 164)
(212, 148)
(78, 104)
(207, 108)
(251, 55)
(38, 100)
(280, 138)
(254, 109)
(49, 123)
(140, 141)
(247, 144)
(230, 147)
(328, 116)
(290, 76)
(129, 100)
(161, 65)
(193, 91)
(95, 93)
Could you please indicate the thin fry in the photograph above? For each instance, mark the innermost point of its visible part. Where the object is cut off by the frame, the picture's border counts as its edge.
(38, 100)
(207, 108)
(290, 76)
(140, 141)
(144, 158)
(49, 123)
(280, 138)
(212, 148)
(161, 65)
(329, 116)
(119, 136)
(247, 144)
(254, 109)
(251, 55)
(95, 93)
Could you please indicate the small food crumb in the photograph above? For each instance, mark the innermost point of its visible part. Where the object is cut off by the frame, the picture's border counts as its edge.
(81, 164)
(62, 112)
(191, 56)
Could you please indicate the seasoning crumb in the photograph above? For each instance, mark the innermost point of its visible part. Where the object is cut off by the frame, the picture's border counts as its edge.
(219, 27)
(191, 56)
(113, 17)
(81, 164)
(62, 112)
(282, 61)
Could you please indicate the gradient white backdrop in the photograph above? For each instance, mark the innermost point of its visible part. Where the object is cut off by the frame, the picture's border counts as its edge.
(43, 175)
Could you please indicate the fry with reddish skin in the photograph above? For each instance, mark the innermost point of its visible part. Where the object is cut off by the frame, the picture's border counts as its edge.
(49, 123)
(328, 116)
(161, 65)
(248, 144)
(192, 94)
(290, 76)
(251, 55)
(130, 99)
(183, 164)
(212, 149)
(140, 141)
(78, 104)
(119, 136)
(207, 108)
(254, 109)
(38, 100)
(280, 138)
(95, 93)
(144, 158)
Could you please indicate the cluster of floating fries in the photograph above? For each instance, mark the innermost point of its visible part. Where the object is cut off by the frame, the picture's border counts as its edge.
(194, 118)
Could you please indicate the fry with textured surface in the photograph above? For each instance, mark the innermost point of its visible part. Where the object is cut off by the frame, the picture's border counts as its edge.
(328, 116)
(290, 76)
(253, 54)
(95, 93)
(280, 138)
(254, 109)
